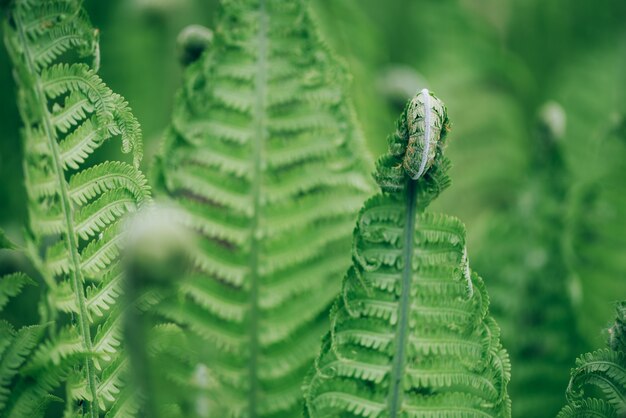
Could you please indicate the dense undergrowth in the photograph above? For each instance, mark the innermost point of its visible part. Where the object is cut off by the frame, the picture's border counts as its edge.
(212, 299)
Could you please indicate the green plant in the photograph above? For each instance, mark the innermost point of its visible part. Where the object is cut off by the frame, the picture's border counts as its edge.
(165, 368)
(75, 208)
(410, 335)
(355, 37)
(16, 346)
(20, 396)
(265, 161)
(597, 385)
(530, 276)
(597, 197)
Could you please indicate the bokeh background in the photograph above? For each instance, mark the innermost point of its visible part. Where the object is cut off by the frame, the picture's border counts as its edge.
(536, 92)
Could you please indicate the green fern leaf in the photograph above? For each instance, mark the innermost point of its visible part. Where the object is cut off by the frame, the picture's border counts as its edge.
(597, 385)
(264, 159)
(30, 398)
(589, 408)
(531, 281)
(20, 395)
(597, 238)
(76, 209)
(21, 343)
(410, 333)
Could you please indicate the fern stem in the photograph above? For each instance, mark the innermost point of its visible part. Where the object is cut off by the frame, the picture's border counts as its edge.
(257, 155)
(397, 368)
(72, 244)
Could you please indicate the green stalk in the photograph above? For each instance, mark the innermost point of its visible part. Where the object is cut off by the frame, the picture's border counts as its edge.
(397, 370)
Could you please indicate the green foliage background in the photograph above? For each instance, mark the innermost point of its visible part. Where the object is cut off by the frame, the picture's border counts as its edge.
(495, 63)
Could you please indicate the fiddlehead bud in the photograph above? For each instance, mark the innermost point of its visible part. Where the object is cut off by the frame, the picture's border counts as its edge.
(192, 42)
(426, 119)
(417, 143)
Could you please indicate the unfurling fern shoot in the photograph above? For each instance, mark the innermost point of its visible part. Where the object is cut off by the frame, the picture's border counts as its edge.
(75, 207)
(410, 333)
(264, 159)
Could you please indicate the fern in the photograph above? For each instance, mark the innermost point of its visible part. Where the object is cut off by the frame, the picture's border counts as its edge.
(530, 277)
(351, 32)
(265, 161)
(16, 346)
(154, 258)
(598, 382)
(410, 335)
(597, 240)
(75, 208)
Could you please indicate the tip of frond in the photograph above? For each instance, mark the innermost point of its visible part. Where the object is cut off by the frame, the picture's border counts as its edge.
(192, 41)
(417, 144)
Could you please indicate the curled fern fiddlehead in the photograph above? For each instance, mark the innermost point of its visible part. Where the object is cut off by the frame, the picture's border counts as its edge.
(410, 334)
(598, 382)
(425, 130)
(75, 207)
(192, 42)
(266, 162)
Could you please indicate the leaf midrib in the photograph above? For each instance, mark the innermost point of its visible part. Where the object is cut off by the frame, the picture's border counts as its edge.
(260, 130)
(397, 370)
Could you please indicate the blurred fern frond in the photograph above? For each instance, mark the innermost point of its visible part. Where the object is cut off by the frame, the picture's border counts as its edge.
(595, 149)
(530, 276)
(265, 160)
(21, 395)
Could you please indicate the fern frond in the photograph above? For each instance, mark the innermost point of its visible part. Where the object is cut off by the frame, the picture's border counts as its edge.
(20, 344)
(75, 208)
(410, 332)
(20, 395)
(531, 282)
(589, 408)
(30, 398)
(264, 159)
(597, 238)
(597, 386)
